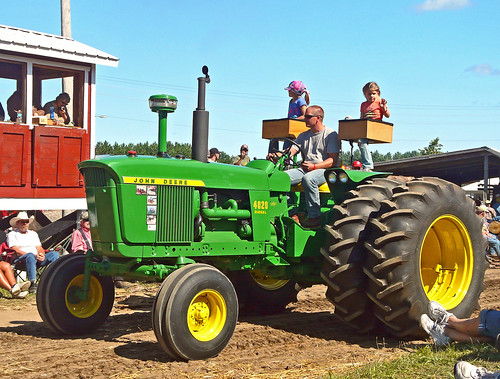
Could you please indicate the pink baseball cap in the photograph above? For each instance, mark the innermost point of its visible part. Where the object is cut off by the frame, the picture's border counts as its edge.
(297, 86)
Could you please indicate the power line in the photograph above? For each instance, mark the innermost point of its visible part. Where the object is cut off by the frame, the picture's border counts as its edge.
(247, 95)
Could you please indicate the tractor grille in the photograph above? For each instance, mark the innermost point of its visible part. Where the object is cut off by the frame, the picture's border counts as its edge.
(175, 221)
(95, 177)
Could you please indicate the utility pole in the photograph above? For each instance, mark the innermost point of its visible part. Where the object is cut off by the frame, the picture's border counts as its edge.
(67, 83)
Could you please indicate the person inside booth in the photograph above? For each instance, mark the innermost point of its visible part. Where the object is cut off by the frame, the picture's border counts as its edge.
(60, 112)
(14, 104)
(2, 113)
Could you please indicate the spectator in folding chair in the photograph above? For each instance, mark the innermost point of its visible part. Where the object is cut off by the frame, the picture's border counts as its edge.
(7, 277)
(28, 247)
(80, 239)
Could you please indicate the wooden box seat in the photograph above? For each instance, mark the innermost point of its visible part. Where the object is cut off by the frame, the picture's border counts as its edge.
(283, 128)
(375, 131)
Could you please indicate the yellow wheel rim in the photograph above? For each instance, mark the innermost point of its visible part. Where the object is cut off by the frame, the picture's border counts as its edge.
(85, 309)
(267, 282)
(207, 315)
(446, 261)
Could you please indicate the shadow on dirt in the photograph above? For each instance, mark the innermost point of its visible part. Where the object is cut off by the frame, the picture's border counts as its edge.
(325, 326)
(321, 325)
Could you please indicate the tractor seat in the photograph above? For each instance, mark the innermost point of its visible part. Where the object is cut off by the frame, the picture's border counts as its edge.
(322, 188)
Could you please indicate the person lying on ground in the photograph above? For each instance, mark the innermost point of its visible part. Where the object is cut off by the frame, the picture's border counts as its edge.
(444, 327)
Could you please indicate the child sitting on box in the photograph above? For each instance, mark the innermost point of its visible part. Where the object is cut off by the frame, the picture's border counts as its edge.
(297, 105)
(375, 108)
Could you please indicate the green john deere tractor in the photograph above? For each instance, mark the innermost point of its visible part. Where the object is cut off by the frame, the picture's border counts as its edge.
(221, 240)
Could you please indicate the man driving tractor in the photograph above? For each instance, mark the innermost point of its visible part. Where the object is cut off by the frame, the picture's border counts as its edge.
(321, 147)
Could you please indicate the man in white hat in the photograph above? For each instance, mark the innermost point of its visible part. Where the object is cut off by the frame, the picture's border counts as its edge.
(28, 247)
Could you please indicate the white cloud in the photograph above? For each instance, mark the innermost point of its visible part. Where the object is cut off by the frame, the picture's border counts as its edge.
(437, 5)
(483, 69)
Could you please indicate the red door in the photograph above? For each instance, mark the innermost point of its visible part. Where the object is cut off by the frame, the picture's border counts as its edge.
(15, 154)
(56, 154)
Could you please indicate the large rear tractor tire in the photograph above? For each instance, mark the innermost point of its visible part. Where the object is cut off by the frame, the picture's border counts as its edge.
(426, 244)
(59, 304)
(195, 313)
(261, 294)
(345, 253)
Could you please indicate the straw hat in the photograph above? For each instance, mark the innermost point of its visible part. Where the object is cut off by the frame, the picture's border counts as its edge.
(494, 227)
(21, 216)
(482, 208)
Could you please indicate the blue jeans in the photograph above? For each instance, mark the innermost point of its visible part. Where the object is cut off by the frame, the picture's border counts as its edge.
(31, 263)
(310, 183)
(494, 246)
(489, 323)
(366, 156)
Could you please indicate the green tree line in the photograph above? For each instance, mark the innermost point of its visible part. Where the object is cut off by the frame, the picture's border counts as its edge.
(184, 149)
(145, 148)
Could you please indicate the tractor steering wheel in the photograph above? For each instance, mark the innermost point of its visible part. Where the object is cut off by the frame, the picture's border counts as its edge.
(285, 159)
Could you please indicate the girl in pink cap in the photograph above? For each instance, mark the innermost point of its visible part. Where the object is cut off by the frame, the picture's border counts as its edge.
(298, 104)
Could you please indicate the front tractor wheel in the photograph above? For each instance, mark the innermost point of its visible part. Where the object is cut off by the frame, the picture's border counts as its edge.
(196, 313)
(60, 304)
(426, 244)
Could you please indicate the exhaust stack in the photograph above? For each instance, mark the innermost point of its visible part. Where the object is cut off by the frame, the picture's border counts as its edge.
(200, 121)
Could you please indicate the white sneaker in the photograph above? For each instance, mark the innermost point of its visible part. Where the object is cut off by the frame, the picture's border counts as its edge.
(25, 285)
(20, 295)
(15, 289)
(438, 313)
(464, 370)
(435, 330)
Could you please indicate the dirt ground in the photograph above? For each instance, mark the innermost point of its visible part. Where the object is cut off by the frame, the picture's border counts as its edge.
(305, 342)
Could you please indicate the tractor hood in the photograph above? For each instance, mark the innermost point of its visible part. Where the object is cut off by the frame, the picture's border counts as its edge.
(258, 175)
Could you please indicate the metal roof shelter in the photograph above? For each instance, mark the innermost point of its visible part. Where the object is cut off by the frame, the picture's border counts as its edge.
(460, 167)
(40, 171)
(36, 43)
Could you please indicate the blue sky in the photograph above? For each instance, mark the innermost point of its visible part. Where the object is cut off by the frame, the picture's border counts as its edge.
(437, 63)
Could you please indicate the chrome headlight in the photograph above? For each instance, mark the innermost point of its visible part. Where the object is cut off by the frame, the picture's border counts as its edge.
(343, 177)
(332, 178)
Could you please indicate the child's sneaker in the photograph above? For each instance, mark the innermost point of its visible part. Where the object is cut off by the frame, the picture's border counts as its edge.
(435, 330)
(465, 370)
(25, 285)
(15, 290)
(20, 295)
(438, 313)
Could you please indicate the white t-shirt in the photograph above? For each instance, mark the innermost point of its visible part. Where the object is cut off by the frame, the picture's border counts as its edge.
(27, 242)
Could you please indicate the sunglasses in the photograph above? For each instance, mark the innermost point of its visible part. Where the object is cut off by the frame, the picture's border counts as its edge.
(308, 116)
(24, 221)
